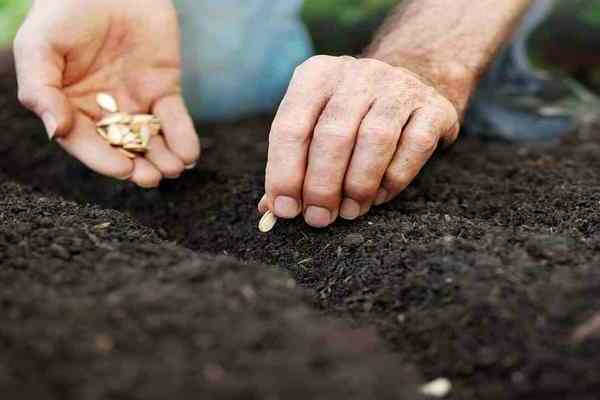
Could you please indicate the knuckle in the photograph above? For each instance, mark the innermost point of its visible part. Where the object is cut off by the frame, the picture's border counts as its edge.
(333, 132)
(430, 93)
(280, 184)
(360, 189)
(347, 59)
(315, 62)
(377, 135)
(320, 193)
(396, 181)
(370, 63)
(282, 179)
(424, 142)
(291, 132)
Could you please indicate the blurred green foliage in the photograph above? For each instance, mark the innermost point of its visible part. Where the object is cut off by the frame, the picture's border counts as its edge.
(11, 15)
(344, 26)
(589, 13)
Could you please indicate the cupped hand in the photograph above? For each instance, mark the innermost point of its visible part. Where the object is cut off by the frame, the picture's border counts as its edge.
(350, 134)
(68, 51)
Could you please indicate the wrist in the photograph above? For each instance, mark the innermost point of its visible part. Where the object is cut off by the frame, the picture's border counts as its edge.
(454, 80)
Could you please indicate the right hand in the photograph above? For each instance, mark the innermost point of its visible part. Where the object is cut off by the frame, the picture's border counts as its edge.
(67, 51)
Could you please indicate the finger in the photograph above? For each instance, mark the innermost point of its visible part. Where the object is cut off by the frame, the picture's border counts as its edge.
(263, 207)
(375, 146)
(39, 76)
(92, 150)
(330, 152)
(178, 128)
(169, 165)
(290, 135)
(145, 174)
(417, 144)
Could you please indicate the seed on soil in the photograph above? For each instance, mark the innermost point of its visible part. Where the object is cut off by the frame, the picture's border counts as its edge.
(267, 222)
(103, 225)
(439, 388)
(107, 102)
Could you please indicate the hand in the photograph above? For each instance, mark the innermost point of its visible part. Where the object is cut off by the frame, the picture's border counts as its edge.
(67, 51)
(349, 134)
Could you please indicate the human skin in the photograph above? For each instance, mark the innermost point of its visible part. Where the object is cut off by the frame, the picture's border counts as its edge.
(352, 133)
(69, 50)
(349, 134)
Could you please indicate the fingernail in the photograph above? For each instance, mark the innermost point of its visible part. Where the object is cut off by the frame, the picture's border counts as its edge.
(286, 207)
(50, 124)
(191, 166)
(381, 197)
(262, 204)
(365, 209)
(317, 217)
(350, 209)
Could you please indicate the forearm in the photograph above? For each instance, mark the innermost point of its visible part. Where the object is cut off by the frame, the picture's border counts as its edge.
(449, 43)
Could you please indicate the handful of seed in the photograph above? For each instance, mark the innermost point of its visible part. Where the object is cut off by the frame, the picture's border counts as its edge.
(129, 133)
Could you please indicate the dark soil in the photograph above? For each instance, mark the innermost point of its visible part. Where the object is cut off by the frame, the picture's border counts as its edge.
(485, 271)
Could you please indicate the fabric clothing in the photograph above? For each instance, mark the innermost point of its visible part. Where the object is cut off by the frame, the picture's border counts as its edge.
(239, 55)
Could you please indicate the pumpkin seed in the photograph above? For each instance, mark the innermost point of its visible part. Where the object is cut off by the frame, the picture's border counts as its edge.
(107, 102)
(141, 119)
(267, 222)
(145, 134)
(128, 154)
(137, 147)
(130, 138)
(115, 135)
(116, 118)
(438, 388)
(102, 133)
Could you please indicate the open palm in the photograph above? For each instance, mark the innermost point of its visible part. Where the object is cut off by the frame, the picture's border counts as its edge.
(68, 51)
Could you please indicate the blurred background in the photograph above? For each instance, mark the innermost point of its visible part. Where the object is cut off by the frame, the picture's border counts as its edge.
(345, 26)
(567, 42)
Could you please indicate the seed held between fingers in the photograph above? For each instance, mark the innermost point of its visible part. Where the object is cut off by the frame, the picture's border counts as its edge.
(267, 222)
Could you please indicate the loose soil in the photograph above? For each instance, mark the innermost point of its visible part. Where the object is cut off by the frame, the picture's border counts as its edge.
(485, 271)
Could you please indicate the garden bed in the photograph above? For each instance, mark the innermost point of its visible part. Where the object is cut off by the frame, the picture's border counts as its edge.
(485, 271)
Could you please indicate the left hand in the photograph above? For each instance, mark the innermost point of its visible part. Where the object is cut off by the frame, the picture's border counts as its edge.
(349, 134)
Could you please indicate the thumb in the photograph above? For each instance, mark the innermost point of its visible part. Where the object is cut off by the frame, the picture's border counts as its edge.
(39, 76)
